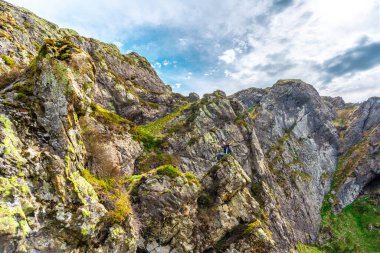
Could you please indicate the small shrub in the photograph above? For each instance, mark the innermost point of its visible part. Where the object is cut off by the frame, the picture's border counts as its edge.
(23, 87)
(11, 76)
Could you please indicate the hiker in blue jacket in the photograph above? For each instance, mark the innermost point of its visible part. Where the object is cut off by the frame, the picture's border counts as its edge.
(226, 150)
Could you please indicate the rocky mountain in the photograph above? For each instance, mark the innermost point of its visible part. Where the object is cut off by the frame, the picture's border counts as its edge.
(97, 154)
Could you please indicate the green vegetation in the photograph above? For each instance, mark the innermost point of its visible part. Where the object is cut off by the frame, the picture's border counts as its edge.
(303, 248)
(348, 162)
(149, 142)
(60, 49)
(26, 24)
(355, 229)
(169, 171)
(113, 195)
(24, 88)
(107, 117)
(8, 60)
(349, 229)
(252, 226)
(241, 120)
(341, 121)
(173, 172)
(154, 159)
(253, 112)
(9, 142)
(157, 127)
(20, 96)
(192, 179)
(151, 135)
(136, 60)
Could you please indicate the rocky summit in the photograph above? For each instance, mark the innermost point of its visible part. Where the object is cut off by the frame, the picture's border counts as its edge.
(97, 154)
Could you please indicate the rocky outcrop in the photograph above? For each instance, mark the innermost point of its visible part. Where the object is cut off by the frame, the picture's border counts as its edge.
(335, 102)
(359, 163)
(250, 97)
(97, 154)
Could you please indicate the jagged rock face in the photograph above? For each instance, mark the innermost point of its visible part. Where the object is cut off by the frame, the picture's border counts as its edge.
(84, 130)
(335, 102)
(126, 84)
(294, 156)
(360, 160)
(250, 97)
(300, 147)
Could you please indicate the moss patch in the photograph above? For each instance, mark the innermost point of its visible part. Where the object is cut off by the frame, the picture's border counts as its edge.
(13, 214)
(173, 172)
(251, 227)
(9, 145)
(169, 170)
(157, 127)
(8, 60)
(153, 160)
(348, 162)
(59, 49)
(303, 248)
(107, 117)
(113, 196)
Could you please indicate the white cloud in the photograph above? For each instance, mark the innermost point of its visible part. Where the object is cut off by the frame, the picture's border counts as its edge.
(302, 39)
(257, 43)
(118, 44)
(228, 56)
(357, 88)
(157, 65)
(188, 75)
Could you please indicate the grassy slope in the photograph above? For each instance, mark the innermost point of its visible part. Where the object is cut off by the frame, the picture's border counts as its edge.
(350, 229)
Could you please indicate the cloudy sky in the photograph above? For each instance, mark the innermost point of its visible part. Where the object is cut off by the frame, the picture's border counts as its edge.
(203, 45)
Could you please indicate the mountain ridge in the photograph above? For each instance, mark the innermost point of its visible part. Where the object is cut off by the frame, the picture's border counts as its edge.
(99, 155)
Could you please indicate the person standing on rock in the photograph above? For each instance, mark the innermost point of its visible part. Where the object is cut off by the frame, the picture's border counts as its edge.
(226, 151)
(226, 148)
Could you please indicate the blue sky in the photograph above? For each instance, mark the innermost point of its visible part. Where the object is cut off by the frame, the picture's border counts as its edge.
(205, 45)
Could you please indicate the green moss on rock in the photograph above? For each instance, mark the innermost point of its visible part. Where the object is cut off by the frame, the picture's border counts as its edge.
(169, 170)
(113, 195)
(173, 172)
(106, 116)
(59, 49)
(304, 248)
(10, 143)
(156, 128)
(8, 60)
(13, 213)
